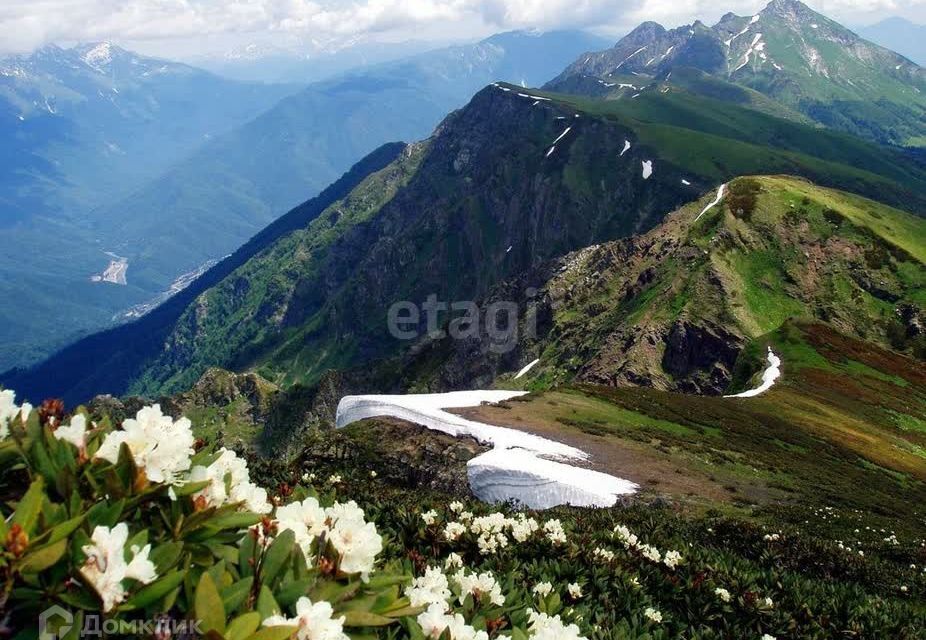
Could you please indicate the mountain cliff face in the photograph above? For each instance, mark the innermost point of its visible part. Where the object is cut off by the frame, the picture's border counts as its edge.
(788, 52)
(673, 309)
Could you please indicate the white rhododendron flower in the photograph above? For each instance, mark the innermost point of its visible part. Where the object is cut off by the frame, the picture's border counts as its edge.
(431, 588)
(605, 554)
(313, 621)
(435, 621)
(653, 614)
(766, 636)
(429, 517)
(650, 553)
(672, 558)
(454, 530)
(334, 479)
(545, 627)
(626, 537)
(575, 590)
(453, 561)
(239, 487)
(9, 410)
(543, 589)
(355, 540)
(106, 569)
(305, 519)
(554, 531)
(456, 506)
(723, 594)
(158, 445)
(523, 528)
(74, 432)
(479, 586)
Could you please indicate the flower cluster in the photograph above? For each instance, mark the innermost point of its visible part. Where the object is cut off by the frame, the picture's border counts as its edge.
(106, 568)
(343, 526)
(229, 483)
(494, 531)
(159, 446)
(313, 621)
(9, 410)
(433, 591)
(630, 541)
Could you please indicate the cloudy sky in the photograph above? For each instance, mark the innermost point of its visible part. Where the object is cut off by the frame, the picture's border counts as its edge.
(184, 28)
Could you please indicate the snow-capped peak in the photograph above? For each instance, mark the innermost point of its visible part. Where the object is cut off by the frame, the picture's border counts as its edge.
(98, 55)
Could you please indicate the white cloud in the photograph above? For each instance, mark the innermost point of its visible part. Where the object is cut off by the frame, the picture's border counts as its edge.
(25, 24)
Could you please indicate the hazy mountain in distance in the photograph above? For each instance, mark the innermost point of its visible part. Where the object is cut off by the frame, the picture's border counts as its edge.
(206, 205)
(256, 62)
(900, 35)
(80, 128)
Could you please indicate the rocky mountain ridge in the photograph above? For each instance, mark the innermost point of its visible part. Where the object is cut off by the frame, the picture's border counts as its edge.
(788, 52)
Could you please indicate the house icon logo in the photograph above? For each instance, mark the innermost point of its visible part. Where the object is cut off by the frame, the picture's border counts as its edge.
(54, 623)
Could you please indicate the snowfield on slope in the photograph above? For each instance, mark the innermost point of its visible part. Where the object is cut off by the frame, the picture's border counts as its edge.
(769, 376)
(521, 466)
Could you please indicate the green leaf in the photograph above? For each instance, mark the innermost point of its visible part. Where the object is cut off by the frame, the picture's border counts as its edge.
(235, 594)
(365, 619)
(274, 633)
(266, 605)
(43, 557)
(191, 488)
(208, 605)
(152, 593)
(243, 626)
(277, 555)
(27, 511)
(63, 530)
(290, 593)
(166, 555)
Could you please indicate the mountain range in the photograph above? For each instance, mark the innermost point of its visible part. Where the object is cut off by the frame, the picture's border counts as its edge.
(489, 205)
(902, 36)
(133, 162)
(788, 52)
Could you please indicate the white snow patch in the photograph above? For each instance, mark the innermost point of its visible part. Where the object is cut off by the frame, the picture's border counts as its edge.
(686, 183)
(755, 19)
(647, 169)
(640, 50)
(769, 376)
(562, 135)
(636, 95)
(715, 202)
(814, 26)
(897, 68)
(508, 250)
(519, 467)
(99, 55)
(756, 45)
(626, 147)
(550, 152)
(524, 371)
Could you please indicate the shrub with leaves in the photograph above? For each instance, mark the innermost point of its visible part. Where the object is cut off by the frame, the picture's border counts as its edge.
(142, 530)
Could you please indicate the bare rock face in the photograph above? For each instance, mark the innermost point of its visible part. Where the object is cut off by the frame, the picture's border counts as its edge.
(701, 356)
(399, 452)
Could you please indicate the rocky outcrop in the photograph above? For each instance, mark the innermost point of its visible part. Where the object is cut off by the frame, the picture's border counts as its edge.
(701, 358)
(399, 452)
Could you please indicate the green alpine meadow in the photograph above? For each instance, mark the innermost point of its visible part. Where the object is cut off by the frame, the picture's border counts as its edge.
(626, 339)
